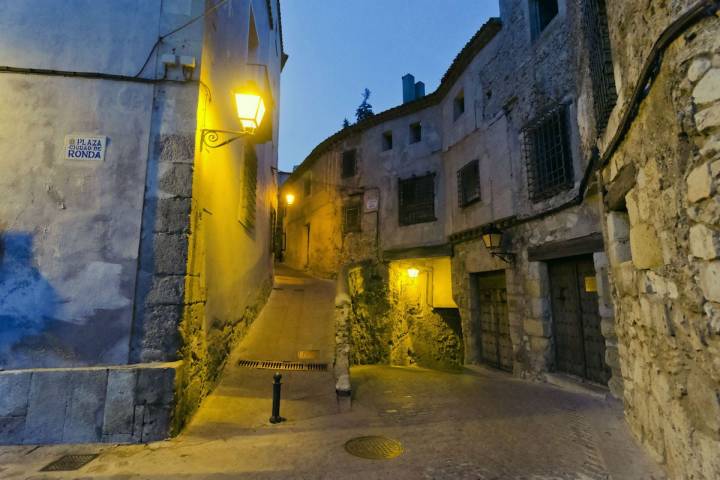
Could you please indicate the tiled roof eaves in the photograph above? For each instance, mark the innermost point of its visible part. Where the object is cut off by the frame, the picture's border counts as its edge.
(483, 36)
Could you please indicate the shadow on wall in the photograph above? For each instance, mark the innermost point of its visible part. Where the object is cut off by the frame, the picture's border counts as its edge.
(28, 302)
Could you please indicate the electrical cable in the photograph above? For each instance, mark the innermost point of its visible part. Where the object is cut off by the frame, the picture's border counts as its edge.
(172, 32)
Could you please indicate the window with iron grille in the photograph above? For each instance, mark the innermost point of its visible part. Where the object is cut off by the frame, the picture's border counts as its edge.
(352, 218)
(600, 59)
(417, 200)
(542, 13)
(468, 178)
(547, 154)
(307, 185)
(248, 201)
(349, 163)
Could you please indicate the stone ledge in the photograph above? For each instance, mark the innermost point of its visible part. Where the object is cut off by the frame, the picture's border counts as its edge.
(124, 403)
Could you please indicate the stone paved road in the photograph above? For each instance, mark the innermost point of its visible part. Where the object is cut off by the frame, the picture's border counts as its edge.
(479, 424)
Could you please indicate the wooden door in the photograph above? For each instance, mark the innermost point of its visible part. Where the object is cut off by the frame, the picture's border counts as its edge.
(579, 344)
(496, 344)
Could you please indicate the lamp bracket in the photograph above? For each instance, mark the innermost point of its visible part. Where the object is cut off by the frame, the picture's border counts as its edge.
(219, 138)
(506, 257)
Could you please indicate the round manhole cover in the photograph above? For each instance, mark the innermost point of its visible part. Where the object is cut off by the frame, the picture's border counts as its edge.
(374, 448)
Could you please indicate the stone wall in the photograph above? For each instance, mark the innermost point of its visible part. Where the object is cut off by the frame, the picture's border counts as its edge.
(663, 237)
(393, 320)
(116, 405)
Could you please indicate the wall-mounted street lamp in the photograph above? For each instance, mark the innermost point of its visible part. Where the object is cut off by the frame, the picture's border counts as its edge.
(492, 237)
(289, 198)
(250, 110)
(413, 272)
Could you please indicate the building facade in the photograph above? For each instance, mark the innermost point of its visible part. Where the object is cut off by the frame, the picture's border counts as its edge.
(127, 273)
(548, 131)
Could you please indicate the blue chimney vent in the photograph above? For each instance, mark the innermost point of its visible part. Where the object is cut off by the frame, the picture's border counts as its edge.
(408, 82)
(419, 90)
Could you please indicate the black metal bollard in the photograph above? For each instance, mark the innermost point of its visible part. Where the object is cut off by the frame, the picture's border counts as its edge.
(276, 418)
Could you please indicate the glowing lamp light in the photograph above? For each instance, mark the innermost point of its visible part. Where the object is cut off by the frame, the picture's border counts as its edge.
(413, 272)
(250, 110)
(290, 198)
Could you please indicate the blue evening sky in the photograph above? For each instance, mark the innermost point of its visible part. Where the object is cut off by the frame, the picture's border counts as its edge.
(339, 47)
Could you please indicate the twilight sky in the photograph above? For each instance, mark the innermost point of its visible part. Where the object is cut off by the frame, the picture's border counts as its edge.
(339, 47)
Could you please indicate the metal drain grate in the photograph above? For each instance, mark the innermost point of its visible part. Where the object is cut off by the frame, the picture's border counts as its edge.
(68, 463)
(374, 447)
(297, 366)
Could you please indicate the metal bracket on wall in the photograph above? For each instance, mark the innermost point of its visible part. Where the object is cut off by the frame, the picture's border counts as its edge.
(215, 138)
(506, 257)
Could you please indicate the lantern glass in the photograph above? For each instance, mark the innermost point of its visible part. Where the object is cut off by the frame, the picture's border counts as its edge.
(250, 110)
(492, 240)
(413, 272)
(290, 198)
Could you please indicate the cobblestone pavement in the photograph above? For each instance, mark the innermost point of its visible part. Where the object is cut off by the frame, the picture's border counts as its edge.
(478, 424)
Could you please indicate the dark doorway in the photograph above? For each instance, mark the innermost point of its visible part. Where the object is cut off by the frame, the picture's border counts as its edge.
(579, 343)
(492, 316)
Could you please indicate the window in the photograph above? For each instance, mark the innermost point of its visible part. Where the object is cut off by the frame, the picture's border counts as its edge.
(600, 59)
(469, 183)
(417, 200)
(253, 41)
(349, 163)
(459, 105)
(248, 199)
(415, 132)
(541, 14)
(352, 218)
(547, 154)
(307, 185)
(387, 141)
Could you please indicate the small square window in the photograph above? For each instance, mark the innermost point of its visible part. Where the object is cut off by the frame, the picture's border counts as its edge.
(352, 217)
(349, 163)
(387, 141)
(459, 105)
(541, 14)
(415, 132)
(307, 185)
(469, 184)
(417, 200)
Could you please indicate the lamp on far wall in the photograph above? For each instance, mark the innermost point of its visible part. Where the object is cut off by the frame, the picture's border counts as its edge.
(492, 238)
(251, 110)
(289, 198)
(413, 272)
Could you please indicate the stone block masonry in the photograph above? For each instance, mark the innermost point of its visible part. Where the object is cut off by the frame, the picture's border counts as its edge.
(666, 286)
(125, 404)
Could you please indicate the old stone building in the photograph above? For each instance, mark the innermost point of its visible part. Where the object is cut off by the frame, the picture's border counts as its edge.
(127, 274)
(583, 137)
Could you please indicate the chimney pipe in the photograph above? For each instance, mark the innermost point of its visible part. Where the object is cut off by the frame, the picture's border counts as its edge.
(419, 90)
(408, 82)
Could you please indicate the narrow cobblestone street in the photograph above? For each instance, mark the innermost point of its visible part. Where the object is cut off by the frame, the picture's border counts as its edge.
(478, 424)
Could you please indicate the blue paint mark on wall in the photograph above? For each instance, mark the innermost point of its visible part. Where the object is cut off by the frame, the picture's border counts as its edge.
(27, 300)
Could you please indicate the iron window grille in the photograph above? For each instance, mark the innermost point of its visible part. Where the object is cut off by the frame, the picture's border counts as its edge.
(352, 218)
(415, 132)
(600, 59)
(417, 199)
(547, 154)
(248, 206)
(468, 179)
(542, 13)
(349, 163)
